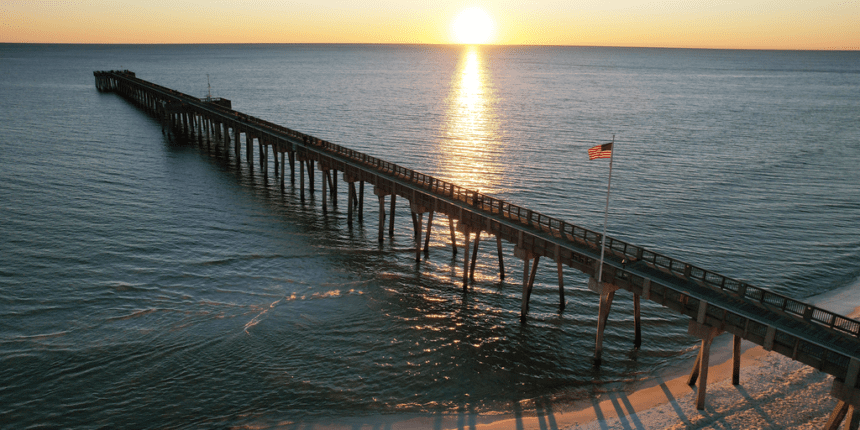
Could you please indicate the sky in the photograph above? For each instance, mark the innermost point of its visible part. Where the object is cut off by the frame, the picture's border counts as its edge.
(741, 24)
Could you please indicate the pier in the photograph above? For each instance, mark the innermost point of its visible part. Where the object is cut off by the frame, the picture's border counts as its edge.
(715, 304)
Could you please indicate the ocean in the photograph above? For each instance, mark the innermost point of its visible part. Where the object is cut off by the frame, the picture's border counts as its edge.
(147, 281)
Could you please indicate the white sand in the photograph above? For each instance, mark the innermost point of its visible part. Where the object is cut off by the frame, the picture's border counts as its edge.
(774, 393)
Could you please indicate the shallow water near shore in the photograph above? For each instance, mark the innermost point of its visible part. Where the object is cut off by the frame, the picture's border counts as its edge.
(151, 282)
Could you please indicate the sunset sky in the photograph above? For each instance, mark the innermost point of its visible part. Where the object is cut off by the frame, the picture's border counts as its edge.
(745, 24)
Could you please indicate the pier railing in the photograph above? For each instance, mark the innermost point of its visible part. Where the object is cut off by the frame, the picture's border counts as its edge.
(560, 228)
(555, 227)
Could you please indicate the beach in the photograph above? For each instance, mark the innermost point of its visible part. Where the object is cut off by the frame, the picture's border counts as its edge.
(775, 392)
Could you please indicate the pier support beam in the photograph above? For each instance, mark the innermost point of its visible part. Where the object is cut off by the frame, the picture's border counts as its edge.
(381, 195)
(736, 360)
(418, 212)
(637, 325)
(249, 149)
(848, 408)
(350, 181)
(700, 369)
(325, 183)
(474, 256)
(391, 220)
(453, 235)
(607, 294)
(427, 235)
(466, 262)
(501, 259)
(361, 201)
(276, 153)
(311, 176)
(467, 231)
(302, 180)
(561, 286)
(417, 227)
(283, 167)
(238, 144)
(264, 157)
(528, 278)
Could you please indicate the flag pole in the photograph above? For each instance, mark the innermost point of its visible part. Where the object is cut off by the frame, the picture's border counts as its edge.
(605, 216)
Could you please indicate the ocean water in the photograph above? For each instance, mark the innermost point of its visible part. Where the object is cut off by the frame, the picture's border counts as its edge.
(149, 282)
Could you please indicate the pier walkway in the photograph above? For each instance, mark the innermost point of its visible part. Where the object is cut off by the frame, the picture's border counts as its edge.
(714, 303)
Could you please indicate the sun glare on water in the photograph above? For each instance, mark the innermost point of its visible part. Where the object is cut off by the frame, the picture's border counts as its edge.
(473, 26)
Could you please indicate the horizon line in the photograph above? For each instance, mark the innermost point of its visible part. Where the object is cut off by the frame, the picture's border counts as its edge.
(828, 49)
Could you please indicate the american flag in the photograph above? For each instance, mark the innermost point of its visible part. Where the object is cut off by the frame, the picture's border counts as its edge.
(600, 151)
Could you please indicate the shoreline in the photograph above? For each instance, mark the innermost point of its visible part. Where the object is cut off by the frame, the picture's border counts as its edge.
(775, 392)
(610, 407)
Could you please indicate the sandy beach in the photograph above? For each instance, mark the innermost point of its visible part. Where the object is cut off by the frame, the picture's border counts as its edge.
(775, 392)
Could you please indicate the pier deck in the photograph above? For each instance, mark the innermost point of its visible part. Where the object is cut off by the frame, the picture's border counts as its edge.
(714, 303)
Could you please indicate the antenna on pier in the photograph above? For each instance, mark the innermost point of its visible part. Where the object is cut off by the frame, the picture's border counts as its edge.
(209, 86)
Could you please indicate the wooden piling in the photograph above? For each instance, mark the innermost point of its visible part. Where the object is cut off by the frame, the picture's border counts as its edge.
(560, 286)
(264, 159)
(427, 235)
(277, 162)
(311, 176)
(249, 149)
(237, 144)
(331, 177)
(837, 416)
(283, 167)
(501, 259)
(302, 179)
(637, 325)
(334, 187)
(474, 255)
(700, 368)
(361, 201)
(607, 294)
(391, 220)
(466, 262)
(736, 360)
(453, 235)
(324, 185)
(350, 196)
(381, 195)
(417, 221)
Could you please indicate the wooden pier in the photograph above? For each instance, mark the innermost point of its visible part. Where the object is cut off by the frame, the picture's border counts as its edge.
(714, 303)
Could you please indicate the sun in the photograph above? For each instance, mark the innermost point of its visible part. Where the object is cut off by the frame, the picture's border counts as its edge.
(473, 26)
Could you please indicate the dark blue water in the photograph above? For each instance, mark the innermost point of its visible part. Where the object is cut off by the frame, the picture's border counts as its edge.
(149, 282)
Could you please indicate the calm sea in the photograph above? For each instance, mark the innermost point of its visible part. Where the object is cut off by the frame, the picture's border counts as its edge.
(146, 282)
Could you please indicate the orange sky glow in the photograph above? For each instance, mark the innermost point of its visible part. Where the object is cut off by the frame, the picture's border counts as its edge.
(748, 24)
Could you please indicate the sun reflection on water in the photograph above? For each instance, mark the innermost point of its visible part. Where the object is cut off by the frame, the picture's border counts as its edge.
(469, 149)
